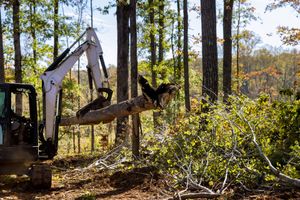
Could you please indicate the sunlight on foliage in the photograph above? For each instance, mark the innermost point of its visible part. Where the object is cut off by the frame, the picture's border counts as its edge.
(203, 147)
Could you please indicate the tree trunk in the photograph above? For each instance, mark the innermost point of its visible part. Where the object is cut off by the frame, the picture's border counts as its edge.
(91, 92)
(179, 44)
(55, 31)
(227, 52)
(173, 35)
(33, 33)
(157, 115)
(244, 88)
(153, 54)
(209, 49)
(74, 140)
(78, 104)
(2, 73)
(122, 63)
(17, 47)
(152, 44)
(186, 56)
(238, 47)
(161, 32)
(92, 127)
(78, 141)
(134, 75)
(122, 109)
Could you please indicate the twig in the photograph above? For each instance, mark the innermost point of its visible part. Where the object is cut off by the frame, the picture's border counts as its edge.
(244, 187)
(225, 180)
(178, 195)
(195, 196)
(106, 156)
(201, 187)
(59, 168)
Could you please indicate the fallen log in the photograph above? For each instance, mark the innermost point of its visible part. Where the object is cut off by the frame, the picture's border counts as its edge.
(125, 108)
(195, 196)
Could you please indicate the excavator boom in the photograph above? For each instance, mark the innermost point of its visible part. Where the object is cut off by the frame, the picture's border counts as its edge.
(52, 85)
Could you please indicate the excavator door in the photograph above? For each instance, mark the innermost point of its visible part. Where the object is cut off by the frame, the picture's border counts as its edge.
(18, 127)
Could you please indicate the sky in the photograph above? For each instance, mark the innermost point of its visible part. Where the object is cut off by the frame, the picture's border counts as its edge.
(265, 27)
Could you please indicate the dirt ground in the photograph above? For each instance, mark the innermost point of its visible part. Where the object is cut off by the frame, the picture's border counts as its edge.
(72, 181)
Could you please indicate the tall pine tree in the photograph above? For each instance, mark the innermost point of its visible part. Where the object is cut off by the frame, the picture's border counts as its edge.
(134, 76)
(209, 49)
(17, 48)
(186, 56)
(2, 75)
(227, 52)
(123, 10)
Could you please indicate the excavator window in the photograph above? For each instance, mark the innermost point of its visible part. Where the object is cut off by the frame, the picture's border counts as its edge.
(20, 121)
(25, 103)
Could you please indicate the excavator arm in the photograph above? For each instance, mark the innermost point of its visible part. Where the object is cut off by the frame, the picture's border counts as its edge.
(52, 86)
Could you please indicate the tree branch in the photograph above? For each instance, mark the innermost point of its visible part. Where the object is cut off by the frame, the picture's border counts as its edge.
(125, 108)
(195, 196)
(108, 114)
(285, 178)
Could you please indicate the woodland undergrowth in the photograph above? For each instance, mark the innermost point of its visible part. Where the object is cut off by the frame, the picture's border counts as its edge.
(245, 143)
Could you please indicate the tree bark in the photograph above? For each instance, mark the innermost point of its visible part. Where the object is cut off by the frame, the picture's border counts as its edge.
(92, 126)
(238, 47)
(122, 63)
(186, 56)
(55, 31)
(173, 35)
(152, 44)
(134, 76)
(209, 49)
(179, 44)
(157, 115)
(91, 92)
(153, 54)
(78, 141)
(2, 73)
(161, 32)
(122, 109)
(74, 140)
(227, 52)
(18, 55)
(33, 33)
(108, 114)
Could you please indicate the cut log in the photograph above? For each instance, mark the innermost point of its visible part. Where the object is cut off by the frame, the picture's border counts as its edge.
(125, 108)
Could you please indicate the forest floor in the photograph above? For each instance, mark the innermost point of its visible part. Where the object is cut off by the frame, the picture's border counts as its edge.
(71, 180)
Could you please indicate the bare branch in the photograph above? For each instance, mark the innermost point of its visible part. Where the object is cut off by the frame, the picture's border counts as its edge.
(285, 178)
(200, 187)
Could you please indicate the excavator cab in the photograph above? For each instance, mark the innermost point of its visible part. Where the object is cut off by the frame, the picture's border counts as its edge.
(19, 152)
(18, 131)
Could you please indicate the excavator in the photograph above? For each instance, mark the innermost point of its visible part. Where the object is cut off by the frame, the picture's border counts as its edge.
(25, 143)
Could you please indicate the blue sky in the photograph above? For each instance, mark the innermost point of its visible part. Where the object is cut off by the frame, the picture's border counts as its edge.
(265, 27)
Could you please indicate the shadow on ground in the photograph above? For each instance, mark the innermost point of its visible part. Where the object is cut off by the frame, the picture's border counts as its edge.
(70, 181)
